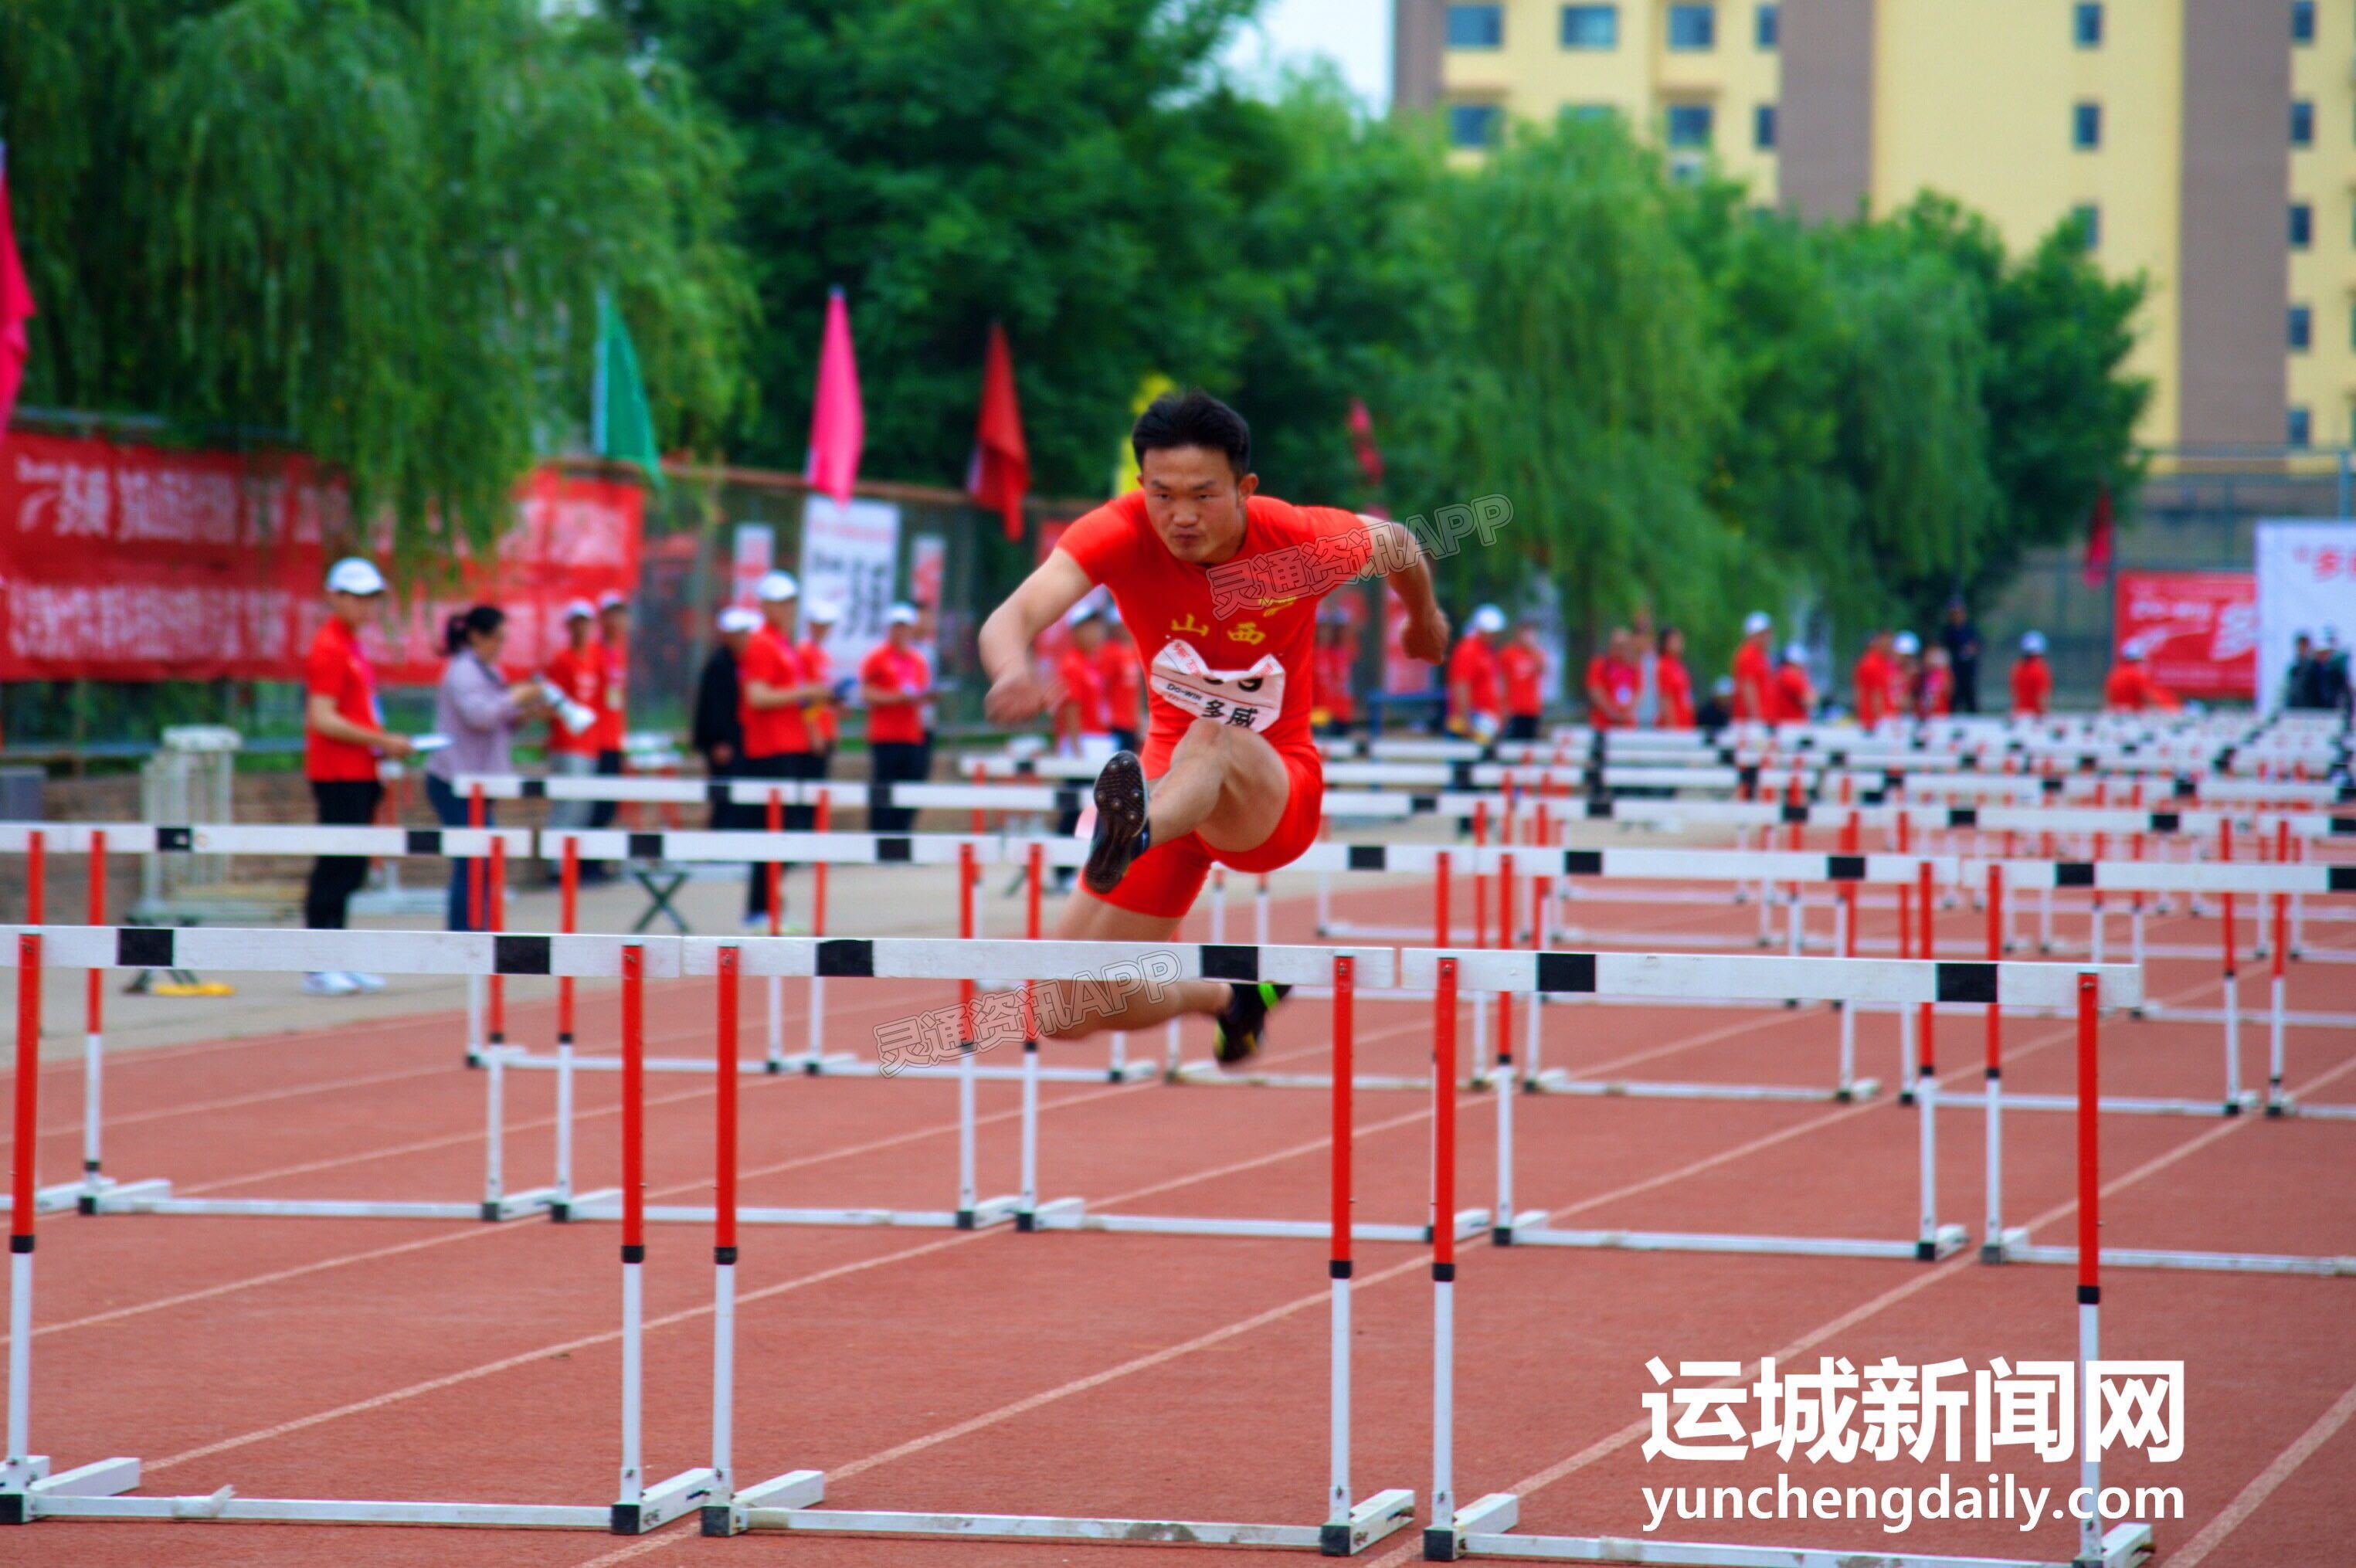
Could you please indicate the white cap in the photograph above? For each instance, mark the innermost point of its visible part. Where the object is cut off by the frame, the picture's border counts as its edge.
(1796, 653)
(776, 587)
(736, 618)
(1488, 618)
(355, 574)
(901, 615)
(581, 610)
(2033, 642)
(1756, 622)
(827, 611)
(613, 598)
(1907, 643)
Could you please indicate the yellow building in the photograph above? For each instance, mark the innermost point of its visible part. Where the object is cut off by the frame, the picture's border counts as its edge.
(2208, 145)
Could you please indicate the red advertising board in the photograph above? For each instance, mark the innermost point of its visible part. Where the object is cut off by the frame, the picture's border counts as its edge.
(2199, 629)
(137, 563)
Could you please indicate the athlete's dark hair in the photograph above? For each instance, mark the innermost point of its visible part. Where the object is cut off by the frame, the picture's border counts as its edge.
(1193, 418)
(481, 622)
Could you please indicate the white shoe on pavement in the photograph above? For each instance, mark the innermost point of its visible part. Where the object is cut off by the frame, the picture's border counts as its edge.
(329, 983)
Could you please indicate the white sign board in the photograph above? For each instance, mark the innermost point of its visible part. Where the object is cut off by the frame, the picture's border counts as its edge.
(850, 555)
(2306, 582)
(754, 553)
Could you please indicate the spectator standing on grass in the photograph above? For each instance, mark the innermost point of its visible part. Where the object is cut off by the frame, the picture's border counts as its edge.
(1934, 696)
(1905, 674)
(2032, 678)
(1870, 681)
(818, 618)
(1676, 711)
(1753, 699)
(1612, 680)
(477, 711)
(1794, 695)
(773, 693)
(718, 734)
(1960, 640)
(577, 672)
(1476, 707)
(896, 682)
(1521, 670)
(1648, 647)
(343, 738)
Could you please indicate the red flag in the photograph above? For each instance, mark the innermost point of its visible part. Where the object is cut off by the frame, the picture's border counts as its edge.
(999, 474)
(2097, 568)
(15, 305)
(837, 423)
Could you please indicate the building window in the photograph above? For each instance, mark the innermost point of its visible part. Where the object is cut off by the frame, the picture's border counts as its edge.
(2302, 328)
(1688, 124)
(1765, 22)
(2089, 219)
(2085, 126)
(1762, 126)
(1477, 26)
(2302, 21)
(1472, 124)
(2302, 226)
(1693, 27)
(2302, 123)
(2298, 427)
(1591, 26)
(2086, 25)
(1586, 114)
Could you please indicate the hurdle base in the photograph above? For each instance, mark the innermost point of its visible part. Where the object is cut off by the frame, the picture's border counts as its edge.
(1207, 1072)
(154, 1197)
(683, 1493)
(96, 1492)
(81, 1195)
(2292, 1105)
(2246, 1100)
(21, 1504)
(1559, 1080)
(794, 1489)
(1072, 1214)
(605, 1204)
(1529, 1228)
(1378, 1516)
(2016, 1248)
(1497, 1512)
(2125, 1546)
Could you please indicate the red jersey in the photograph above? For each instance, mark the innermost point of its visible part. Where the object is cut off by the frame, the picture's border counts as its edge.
(770, 731)
(896, 669)
(1474, 668)
(1938, 697)
(2032, 685)
(1082, 709)
(1615, 683)
(337, 668)
(1871, 680)
(2131, 690)
(1675, 687)
(1124, 684)
(1249, 668)
(580, 676)
(612, 704)
(818, 667)
(1752, 680)
(1794, 697)
(1523, 668)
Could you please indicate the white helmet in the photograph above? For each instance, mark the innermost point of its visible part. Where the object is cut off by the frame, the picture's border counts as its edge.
(2033, 642)
(1487, 618)
(776, 587)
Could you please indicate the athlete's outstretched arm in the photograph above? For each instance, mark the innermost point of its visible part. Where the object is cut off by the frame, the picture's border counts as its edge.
(1400, 559)
(1015, 695)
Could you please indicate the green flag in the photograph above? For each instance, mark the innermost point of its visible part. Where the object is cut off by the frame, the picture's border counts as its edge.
(624, 426)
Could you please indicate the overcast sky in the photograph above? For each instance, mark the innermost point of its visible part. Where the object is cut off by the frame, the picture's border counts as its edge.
(1355, 34)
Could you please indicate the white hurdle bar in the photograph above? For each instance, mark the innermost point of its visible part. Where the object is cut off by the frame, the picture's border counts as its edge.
(30, 1490)
(1483, 1527)
(1895, 983)
(789, 1501)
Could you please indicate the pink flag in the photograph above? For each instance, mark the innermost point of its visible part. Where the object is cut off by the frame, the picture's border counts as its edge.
(838, 425)
(15, 305)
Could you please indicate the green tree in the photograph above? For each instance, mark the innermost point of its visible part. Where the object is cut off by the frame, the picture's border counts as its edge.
(372, 229)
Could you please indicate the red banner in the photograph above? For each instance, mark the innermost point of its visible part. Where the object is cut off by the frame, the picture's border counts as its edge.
(2199, 629)
(137, 563)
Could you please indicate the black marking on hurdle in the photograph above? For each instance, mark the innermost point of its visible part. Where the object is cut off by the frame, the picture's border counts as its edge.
(1582, 862)
(646, 847)
(1337, 1268)
(1366, 858)
(2341, 880)
(1728, 756)
(1893, 778)
(1460, 774)
(2340, 825)
(1966, 982)
(2186, 788)
(20, 1243)
(1444, 1273)
(879, 798)
(1792, 814)
(2073, 874)
(1599, 806)
(1963, 816)
(2051, 783)
(174, 841)
(2344, 793)
(1567, 972)
(716, 793)
(1873, 796)
(422, 841)
(1843, 868)
(1068, 798)
(519, 955)
(145, 947)
(894, 849)
(1230, 960)
(724, 1256)
(1025, 768)
(2167, 821)
(2090, 1295)
(1422, 804)
(1968, 762)
(534, 789)
(851, 957)
(1747, 775)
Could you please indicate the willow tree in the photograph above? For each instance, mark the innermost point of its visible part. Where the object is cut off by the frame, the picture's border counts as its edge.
(374, 230)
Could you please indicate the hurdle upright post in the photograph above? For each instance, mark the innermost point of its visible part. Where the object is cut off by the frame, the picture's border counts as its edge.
(2090, 1269)
(1992, 1242)
(967, 876)
(773, 880)
(495, 1056)
(1440, 1535)
(1845, 915)
(724, 1227)
(812, 1062)
(17, 1471)
(2233, 986)
(477, 986)
(1338, 1266)
(94, 1039)
(2276, 1105)
(634, 1220)
(569, 897)
(1484, 1060)
(1026, 1213)
(1905, 949)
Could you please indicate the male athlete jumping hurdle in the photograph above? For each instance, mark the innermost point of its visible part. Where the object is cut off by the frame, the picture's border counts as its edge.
(1219, 587)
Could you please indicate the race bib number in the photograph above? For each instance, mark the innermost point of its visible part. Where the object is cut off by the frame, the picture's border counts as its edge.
(1246, 699)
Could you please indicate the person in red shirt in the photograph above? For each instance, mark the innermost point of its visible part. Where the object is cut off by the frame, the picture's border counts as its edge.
(1905, 676)
(1936, 698)
(818, 618)
(1870, 681)
(1124, 684)
(896, 682)
(1080, 708)
(1521, 669)
(613, 655)
(1674, 681)
(2032, 678)
(1793, 695)
(1614, 678)
(1337, 703)
(772, 693)
(577, 672)
(344, 737)
(2131, 690)
(1220, 587)
(1475, 705)
(1753, 701)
